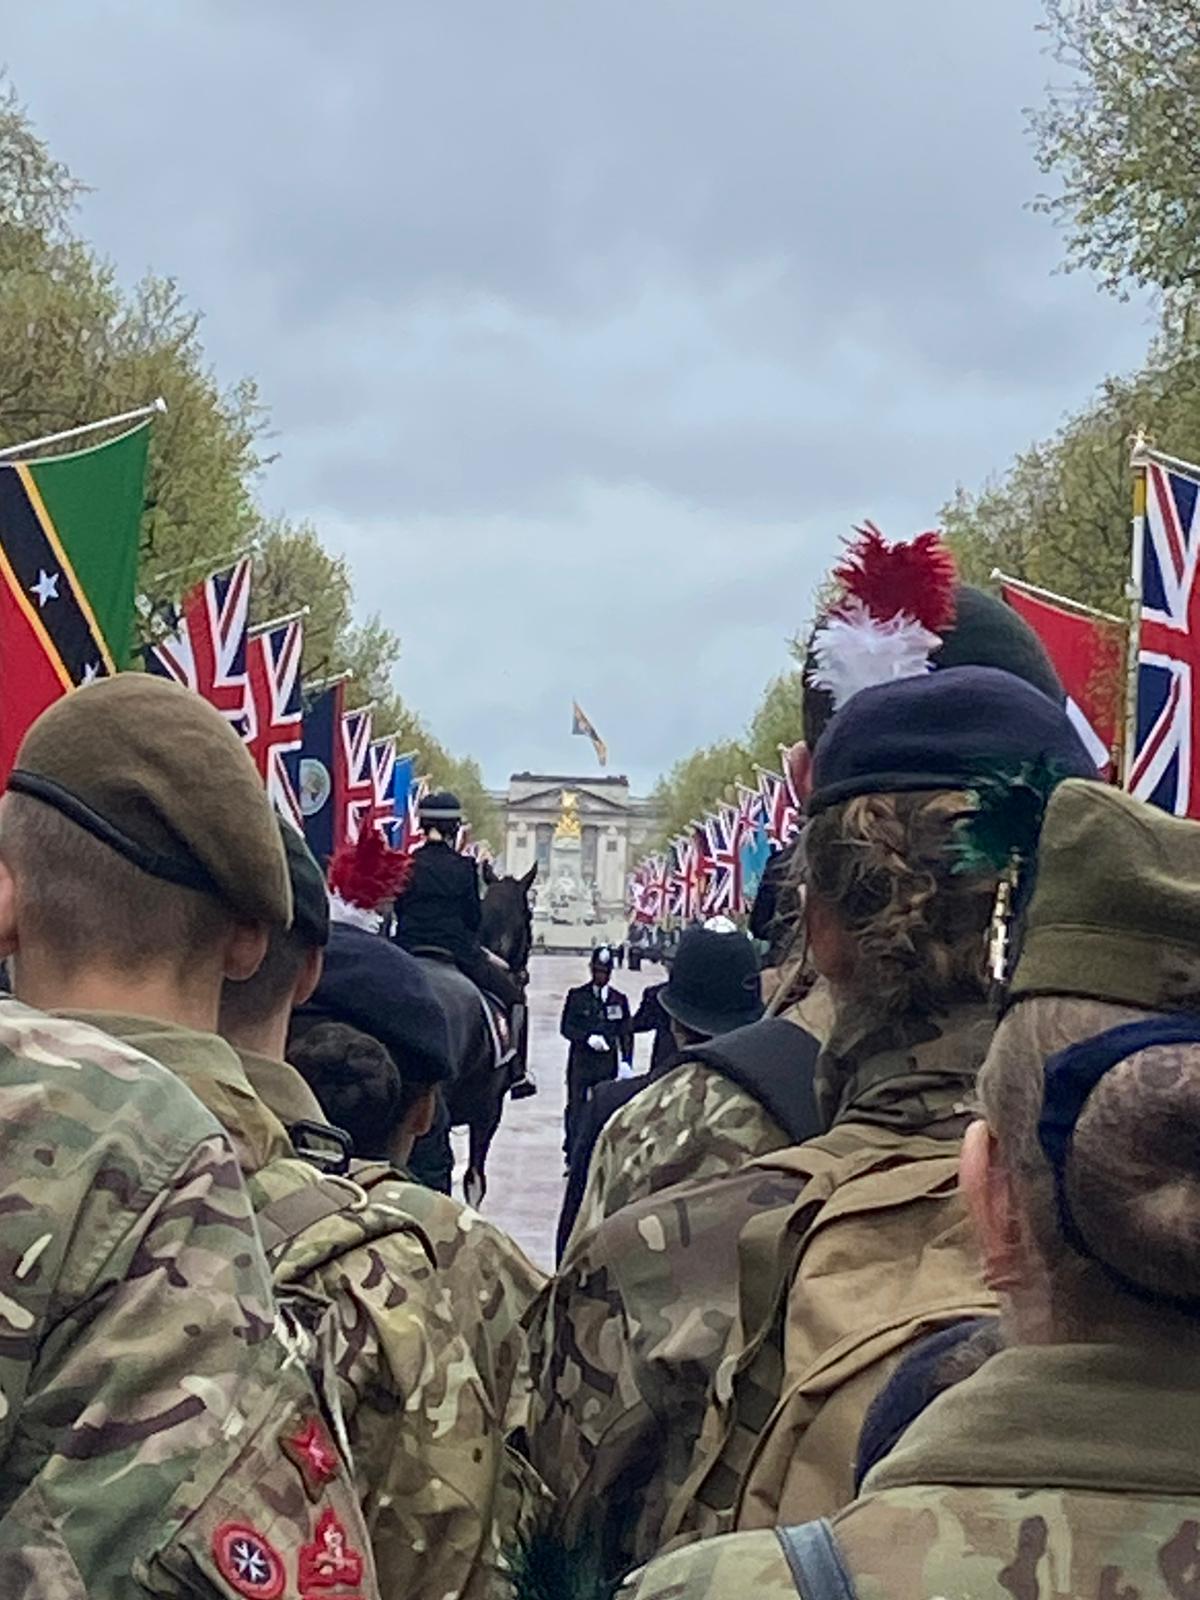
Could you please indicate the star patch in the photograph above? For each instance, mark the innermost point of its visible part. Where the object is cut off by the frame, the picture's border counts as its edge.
(330, 1561)
(312, 1450)
(248, 1562)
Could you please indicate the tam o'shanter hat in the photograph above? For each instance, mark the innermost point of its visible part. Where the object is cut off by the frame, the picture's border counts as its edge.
(363, 876)
(1115, 909)
(900, 611)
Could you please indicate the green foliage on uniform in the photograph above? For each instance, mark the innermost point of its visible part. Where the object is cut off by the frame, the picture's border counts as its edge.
(1007, 820)
(545, 1567)
(1122, 135)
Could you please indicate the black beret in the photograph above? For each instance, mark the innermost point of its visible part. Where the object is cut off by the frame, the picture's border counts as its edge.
(985, 633)
(157, 774)
(380, 989)
(309, 894)
(941, 731)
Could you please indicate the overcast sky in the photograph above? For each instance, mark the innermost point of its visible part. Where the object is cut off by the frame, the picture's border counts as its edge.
(589, 329)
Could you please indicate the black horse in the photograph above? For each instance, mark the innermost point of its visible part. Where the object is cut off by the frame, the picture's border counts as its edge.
(475, 1094)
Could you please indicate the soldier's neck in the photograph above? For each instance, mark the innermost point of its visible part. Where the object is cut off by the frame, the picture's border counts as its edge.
(159, 997)
(267, 1039)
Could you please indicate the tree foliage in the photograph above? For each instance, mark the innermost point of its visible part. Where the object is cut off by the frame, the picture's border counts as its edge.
(1122, 136)
(75, 346)
(709, 776)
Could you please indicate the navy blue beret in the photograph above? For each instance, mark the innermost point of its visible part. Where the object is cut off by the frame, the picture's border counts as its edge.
(380, 989)
(941, 731)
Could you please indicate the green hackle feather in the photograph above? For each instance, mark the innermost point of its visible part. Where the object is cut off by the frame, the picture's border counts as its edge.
(1004, 828)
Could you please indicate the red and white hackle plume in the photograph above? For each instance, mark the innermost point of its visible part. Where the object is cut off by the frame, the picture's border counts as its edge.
(897, 601)
(362, 877)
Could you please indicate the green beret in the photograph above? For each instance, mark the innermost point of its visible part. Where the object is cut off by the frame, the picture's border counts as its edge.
(1115, 910)
(309, 894)
(159, 775)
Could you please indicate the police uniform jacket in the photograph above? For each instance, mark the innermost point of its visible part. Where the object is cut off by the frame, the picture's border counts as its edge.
(440, 907)
(590, 1011)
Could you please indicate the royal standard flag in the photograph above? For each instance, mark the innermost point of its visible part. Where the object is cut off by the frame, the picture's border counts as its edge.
(68, 569)
(583, 726)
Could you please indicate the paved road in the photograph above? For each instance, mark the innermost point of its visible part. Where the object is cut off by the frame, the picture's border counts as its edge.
(525, 1168)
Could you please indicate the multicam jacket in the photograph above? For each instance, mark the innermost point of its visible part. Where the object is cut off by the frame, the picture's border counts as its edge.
(144, 1390)
(426, 1445)
(689, 1123)
(666, 1343)
(1055, 1470)
(490, 1280)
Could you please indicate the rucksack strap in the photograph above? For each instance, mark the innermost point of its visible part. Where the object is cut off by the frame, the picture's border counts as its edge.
(815, 1561)
(286, 1218)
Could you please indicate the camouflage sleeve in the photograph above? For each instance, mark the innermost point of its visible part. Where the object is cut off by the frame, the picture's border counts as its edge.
(691, 1124)
(597, 1435)
(151, 1312)
(428, 1448)
(729, 1568)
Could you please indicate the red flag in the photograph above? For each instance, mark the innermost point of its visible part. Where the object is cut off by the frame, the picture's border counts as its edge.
(1088, 653)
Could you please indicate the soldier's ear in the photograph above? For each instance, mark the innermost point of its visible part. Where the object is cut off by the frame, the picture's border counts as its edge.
(246, 950)
(8, 913)
(994, 1212)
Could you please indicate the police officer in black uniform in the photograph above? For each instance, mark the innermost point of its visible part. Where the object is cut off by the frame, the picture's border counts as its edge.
(440, 906)
(597, 1024)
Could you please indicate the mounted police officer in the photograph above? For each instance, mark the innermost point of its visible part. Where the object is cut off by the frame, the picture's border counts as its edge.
(440, 908)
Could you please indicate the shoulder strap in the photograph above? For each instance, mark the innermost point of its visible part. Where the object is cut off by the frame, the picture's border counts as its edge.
(815, 1562)
(774, 1061)
(285, 1218)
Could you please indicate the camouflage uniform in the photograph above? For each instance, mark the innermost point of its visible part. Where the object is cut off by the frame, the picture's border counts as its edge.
(490, 1280)
(1055, 1470)
(691, 1123)
(427, 1446)
(660, 1351)
(137, 1334)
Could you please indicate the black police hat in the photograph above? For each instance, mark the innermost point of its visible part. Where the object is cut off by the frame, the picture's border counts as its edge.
(714, 984)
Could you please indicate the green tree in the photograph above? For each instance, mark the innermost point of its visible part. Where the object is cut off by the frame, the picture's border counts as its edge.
(74, 347)
(1122, 136)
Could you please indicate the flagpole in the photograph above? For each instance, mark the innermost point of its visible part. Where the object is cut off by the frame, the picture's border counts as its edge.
(321, 684)
(214, 563)
(156, 407)
(279, 622)
(1139, 461)
(1056, 599)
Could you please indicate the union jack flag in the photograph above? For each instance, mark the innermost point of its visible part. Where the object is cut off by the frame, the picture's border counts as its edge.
(660, 886)
(359, 794)
(780, 811)
(273, 666)
(208, 652)
(721, 888)
(383, 773)
(1165, 768)
(413, 836)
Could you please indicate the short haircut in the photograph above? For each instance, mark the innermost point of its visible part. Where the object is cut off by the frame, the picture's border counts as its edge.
(254, 1000)
(86, 905)
(357, 1082)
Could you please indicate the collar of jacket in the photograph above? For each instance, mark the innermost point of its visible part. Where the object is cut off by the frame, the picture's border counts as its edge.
(1089, 1417)
(909, 1073)
(281, 1088)
(213, 1073)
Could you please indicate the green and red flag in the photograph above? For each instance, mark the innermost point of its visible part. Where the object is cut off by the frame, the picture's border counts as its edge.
(69, 529)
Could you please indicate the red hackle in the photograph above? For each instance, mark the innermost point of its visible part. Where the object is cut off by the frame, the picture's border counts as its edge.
(369, 872)
(915, 578)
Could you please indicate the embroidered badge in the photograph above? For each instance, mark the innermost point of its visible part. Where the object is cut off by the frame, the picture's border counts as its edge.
(312, 1450)
(329, 1562)
(248, 1562)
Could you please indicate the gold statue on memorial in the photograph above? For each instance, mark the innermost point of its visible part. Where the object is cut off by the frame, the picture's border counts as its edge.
(568, 819)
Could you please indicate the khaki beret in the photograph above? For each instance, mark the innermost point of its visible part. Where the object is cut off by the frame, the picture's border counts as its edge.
(159, 775)
(1115, 910)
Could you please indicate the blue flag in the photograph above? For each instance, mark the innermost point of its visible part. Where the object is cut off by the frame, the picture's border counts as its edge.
(402, 782)
(755, 853)
(320, 772)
